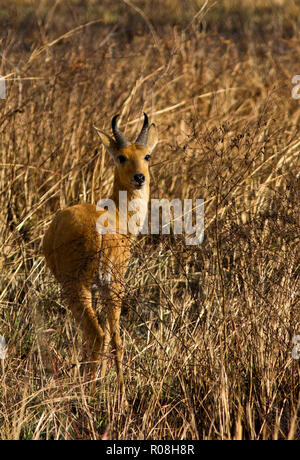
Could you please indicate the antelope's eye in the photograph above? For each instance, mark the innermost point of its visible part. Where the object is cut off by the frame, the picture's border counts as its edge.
(122, 159)
(147, 157)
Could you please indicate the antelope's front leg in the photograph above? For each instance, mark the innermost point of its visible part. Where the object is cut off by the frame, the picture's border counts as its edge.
(114, 312)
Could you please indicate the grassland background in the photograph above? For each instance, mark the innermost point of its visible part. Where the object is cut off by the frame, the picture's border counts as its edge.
(207, 330)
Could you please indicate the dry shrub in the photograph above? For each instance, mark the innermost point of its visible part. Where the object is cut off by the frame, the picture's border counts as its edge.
(208, 329)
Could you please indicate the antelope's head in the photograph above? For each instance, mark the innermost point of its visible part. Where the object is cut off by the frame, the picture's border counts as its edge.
(131, 160)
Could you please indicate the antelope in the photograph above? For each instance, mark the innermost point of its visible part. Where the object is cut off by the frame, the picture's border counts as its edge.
(91, 265)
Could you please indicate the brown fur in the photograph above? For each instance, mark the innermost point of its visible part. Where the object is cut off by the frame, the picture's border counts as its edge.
(74, 249)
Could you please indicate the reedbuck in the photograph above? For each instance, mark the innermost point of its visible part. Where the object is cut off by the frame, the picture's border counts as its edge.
(90, 265)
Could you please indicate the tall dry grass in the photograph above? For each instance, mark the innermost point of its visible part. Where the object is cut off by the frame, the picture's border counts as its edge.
(207, 330)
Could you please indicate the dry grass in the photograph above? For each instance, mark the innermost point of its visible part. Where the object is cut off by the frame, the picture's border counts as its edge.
(207, 330)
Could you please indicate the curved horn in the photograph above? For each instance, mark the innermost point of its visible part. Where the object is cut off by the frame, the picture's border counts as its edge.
(120, 138)
(143, 136)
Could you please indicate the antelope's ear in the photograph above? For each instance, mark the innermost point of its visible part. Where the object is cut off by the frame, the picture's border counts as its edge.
(152, 137)
(108, 142)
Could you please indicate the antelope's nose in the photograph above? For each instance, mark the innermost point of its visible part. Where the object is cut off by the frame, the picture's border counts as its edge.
(139, 178)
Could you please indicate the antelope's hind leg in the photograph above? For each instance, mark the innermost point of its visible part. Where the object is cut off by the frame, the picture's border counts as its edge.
(79, 300)
(109, 319)
(100, 308)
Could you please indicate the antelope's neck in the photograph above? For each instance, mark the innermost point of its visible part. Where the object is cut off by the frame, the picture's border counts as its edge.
(135, 200)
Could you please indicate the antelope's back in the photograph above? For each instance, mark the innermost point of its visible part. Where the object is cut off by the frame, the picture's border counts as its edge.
(72, 244)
